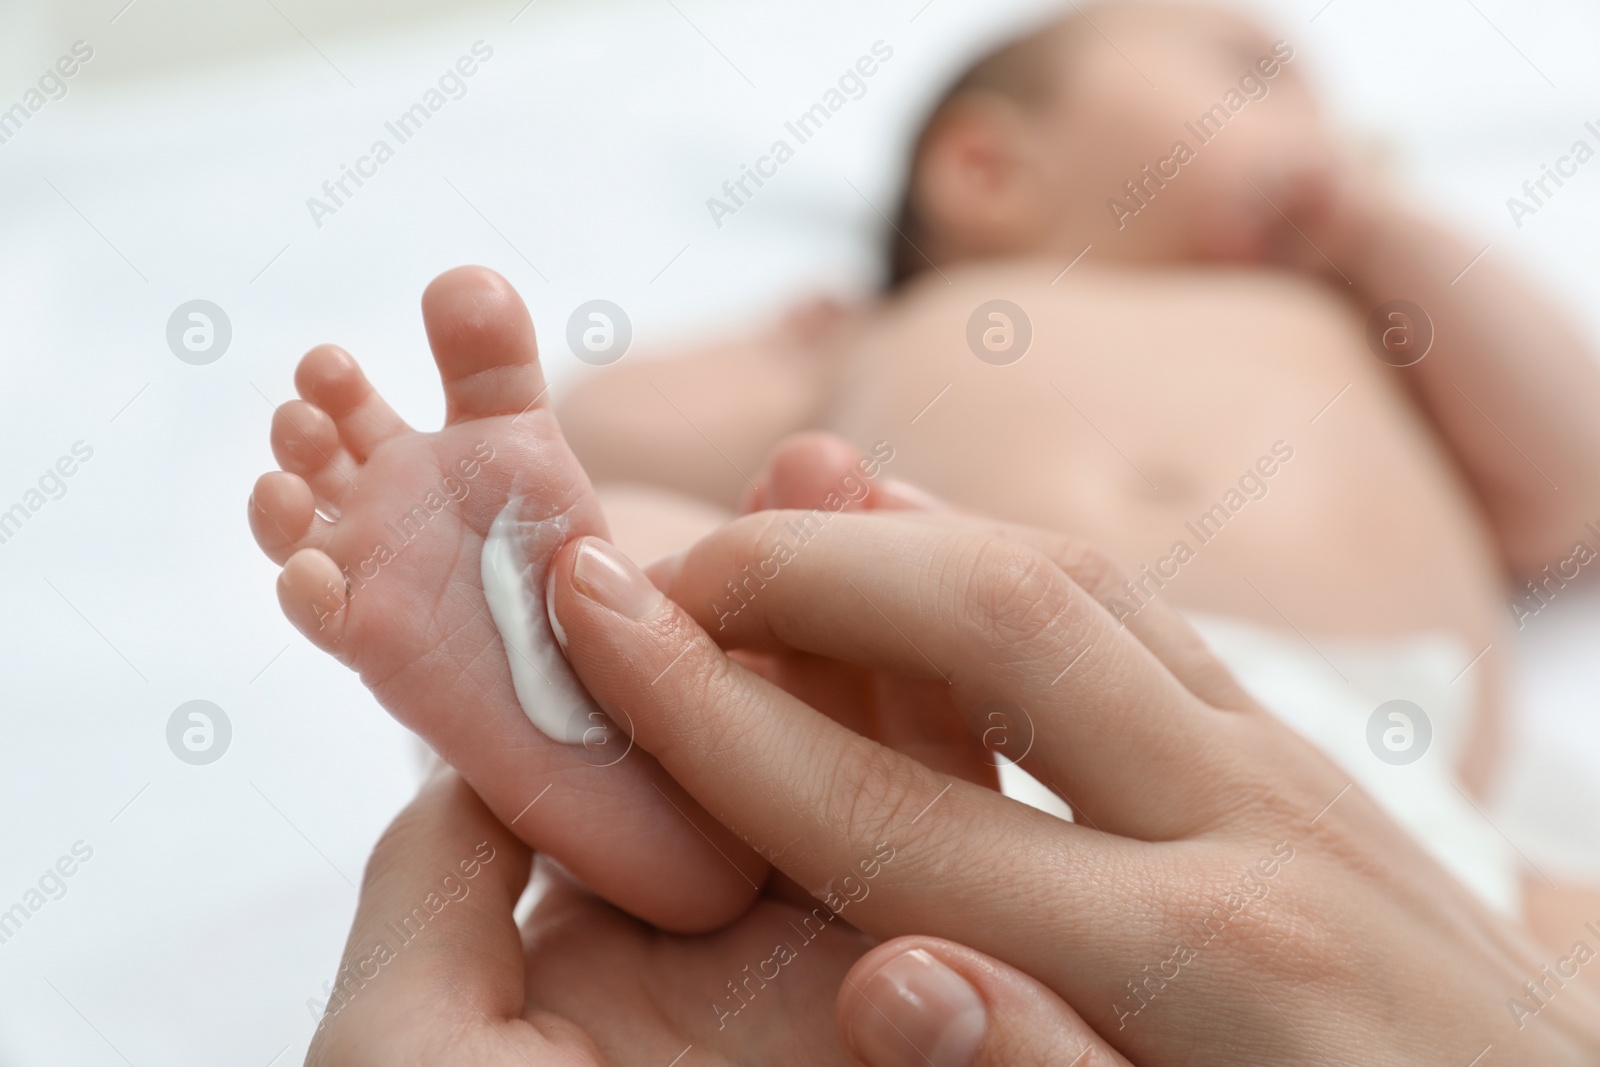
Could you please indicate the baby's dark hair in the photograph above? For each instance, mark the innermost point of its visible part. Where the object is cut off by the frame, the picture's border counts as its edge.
(1021, 70)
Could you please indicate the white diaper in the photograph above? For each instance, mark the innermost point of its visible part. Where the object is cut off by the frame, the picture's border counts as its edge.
(1295, 682)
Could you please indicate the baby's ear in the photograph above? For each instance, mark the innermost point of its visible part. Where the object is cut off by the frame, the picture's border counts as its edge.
(973, 182)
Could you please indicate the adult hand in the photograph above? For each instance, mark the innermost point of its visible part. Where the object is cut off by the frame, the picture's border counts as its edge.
(1226, 896)
(437, 972)
(825, 475)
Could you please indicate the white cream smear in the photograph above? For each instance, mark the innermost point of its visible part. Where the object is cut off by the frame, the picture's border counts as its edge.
(550, 694)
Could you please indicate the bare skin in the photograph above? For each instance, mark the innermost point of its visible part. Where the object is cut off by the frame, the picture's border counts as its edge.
(380, 528)
(588, 985)
(1225, 314)
(579, 984)
(1362, 950)
(1147, 396)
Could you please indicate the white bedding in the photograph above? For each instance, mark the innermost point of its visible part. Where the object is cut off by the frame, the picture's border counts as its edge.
(578, 162)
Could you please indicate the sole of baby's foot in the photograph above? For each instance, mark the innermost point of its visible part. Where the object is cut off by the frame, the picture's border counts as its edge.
(380, 529)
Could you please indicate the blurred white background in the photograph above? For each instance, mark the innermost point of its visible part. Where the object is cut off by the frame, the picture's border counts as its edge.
(178, 166)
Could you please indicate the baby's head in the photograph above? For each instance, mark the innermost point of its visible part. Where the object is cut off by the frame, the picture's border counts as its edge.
(1159, 132)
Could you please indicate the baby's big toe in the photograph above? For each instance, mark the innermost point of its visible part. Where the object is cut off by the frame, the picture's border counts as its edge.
(483, 342)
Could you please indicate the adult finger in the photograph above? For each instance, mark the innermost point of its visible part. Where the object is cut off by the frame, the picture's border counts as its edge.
(433, 970)
(917, 1001)
(1001, 622)
(914, 716)
(1130, 601)
(813, 471)
(892, 846)
(911, 715)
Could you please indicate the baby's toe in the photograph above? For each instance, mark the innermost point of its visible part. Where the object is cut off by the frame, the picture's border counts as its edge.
(306, 442)
(283, 516)
(312, 593)
(330, 378)
(483, 342)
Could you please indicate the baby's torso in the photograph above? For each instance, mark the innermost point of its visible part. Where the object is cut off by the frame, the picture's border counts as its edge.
(1225, 435)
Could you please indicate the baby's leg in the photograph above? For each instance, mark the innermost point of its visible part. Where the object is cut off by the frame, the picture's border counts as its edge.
(380, 530)
(649, 523)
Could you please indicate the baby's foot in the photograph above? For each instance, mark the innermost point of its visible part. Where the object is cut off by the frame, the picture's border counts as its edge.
(380, 528)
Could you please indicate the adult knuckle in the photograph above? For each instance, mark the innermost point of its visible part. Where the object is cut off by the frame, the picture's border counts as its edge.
(870, 792)
(711, 690)
(1272, 786)
(1221, 914)
(1090, 567)
(1262, 799)
(1287, 938)
(1294, 937)
(1014, 594)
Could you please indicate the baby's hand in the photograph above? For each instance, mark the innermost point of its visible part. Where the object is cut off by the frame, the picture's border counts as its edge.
(1324, 221)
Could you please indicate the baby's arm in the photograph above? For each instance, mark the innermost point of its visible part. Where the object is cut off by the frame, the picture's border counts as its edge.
(703, 423)
(1511, 383)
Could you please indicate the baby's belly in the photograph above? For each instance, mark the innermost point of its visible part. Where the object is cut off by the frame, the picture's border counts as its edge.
(1226, 436)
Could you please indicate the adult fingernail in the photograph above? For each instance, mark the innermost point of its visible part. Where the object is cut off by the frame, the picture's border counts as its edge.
(610, 579)
(550, 609)
(916, 1011)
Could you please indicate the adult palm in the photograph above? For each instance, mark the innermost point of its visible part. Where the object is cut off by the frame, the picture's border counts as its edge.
(577, 983)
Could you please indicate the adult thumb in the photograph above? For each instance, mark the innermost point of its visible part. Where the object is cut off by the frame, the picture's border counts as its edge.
(921, 1001)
